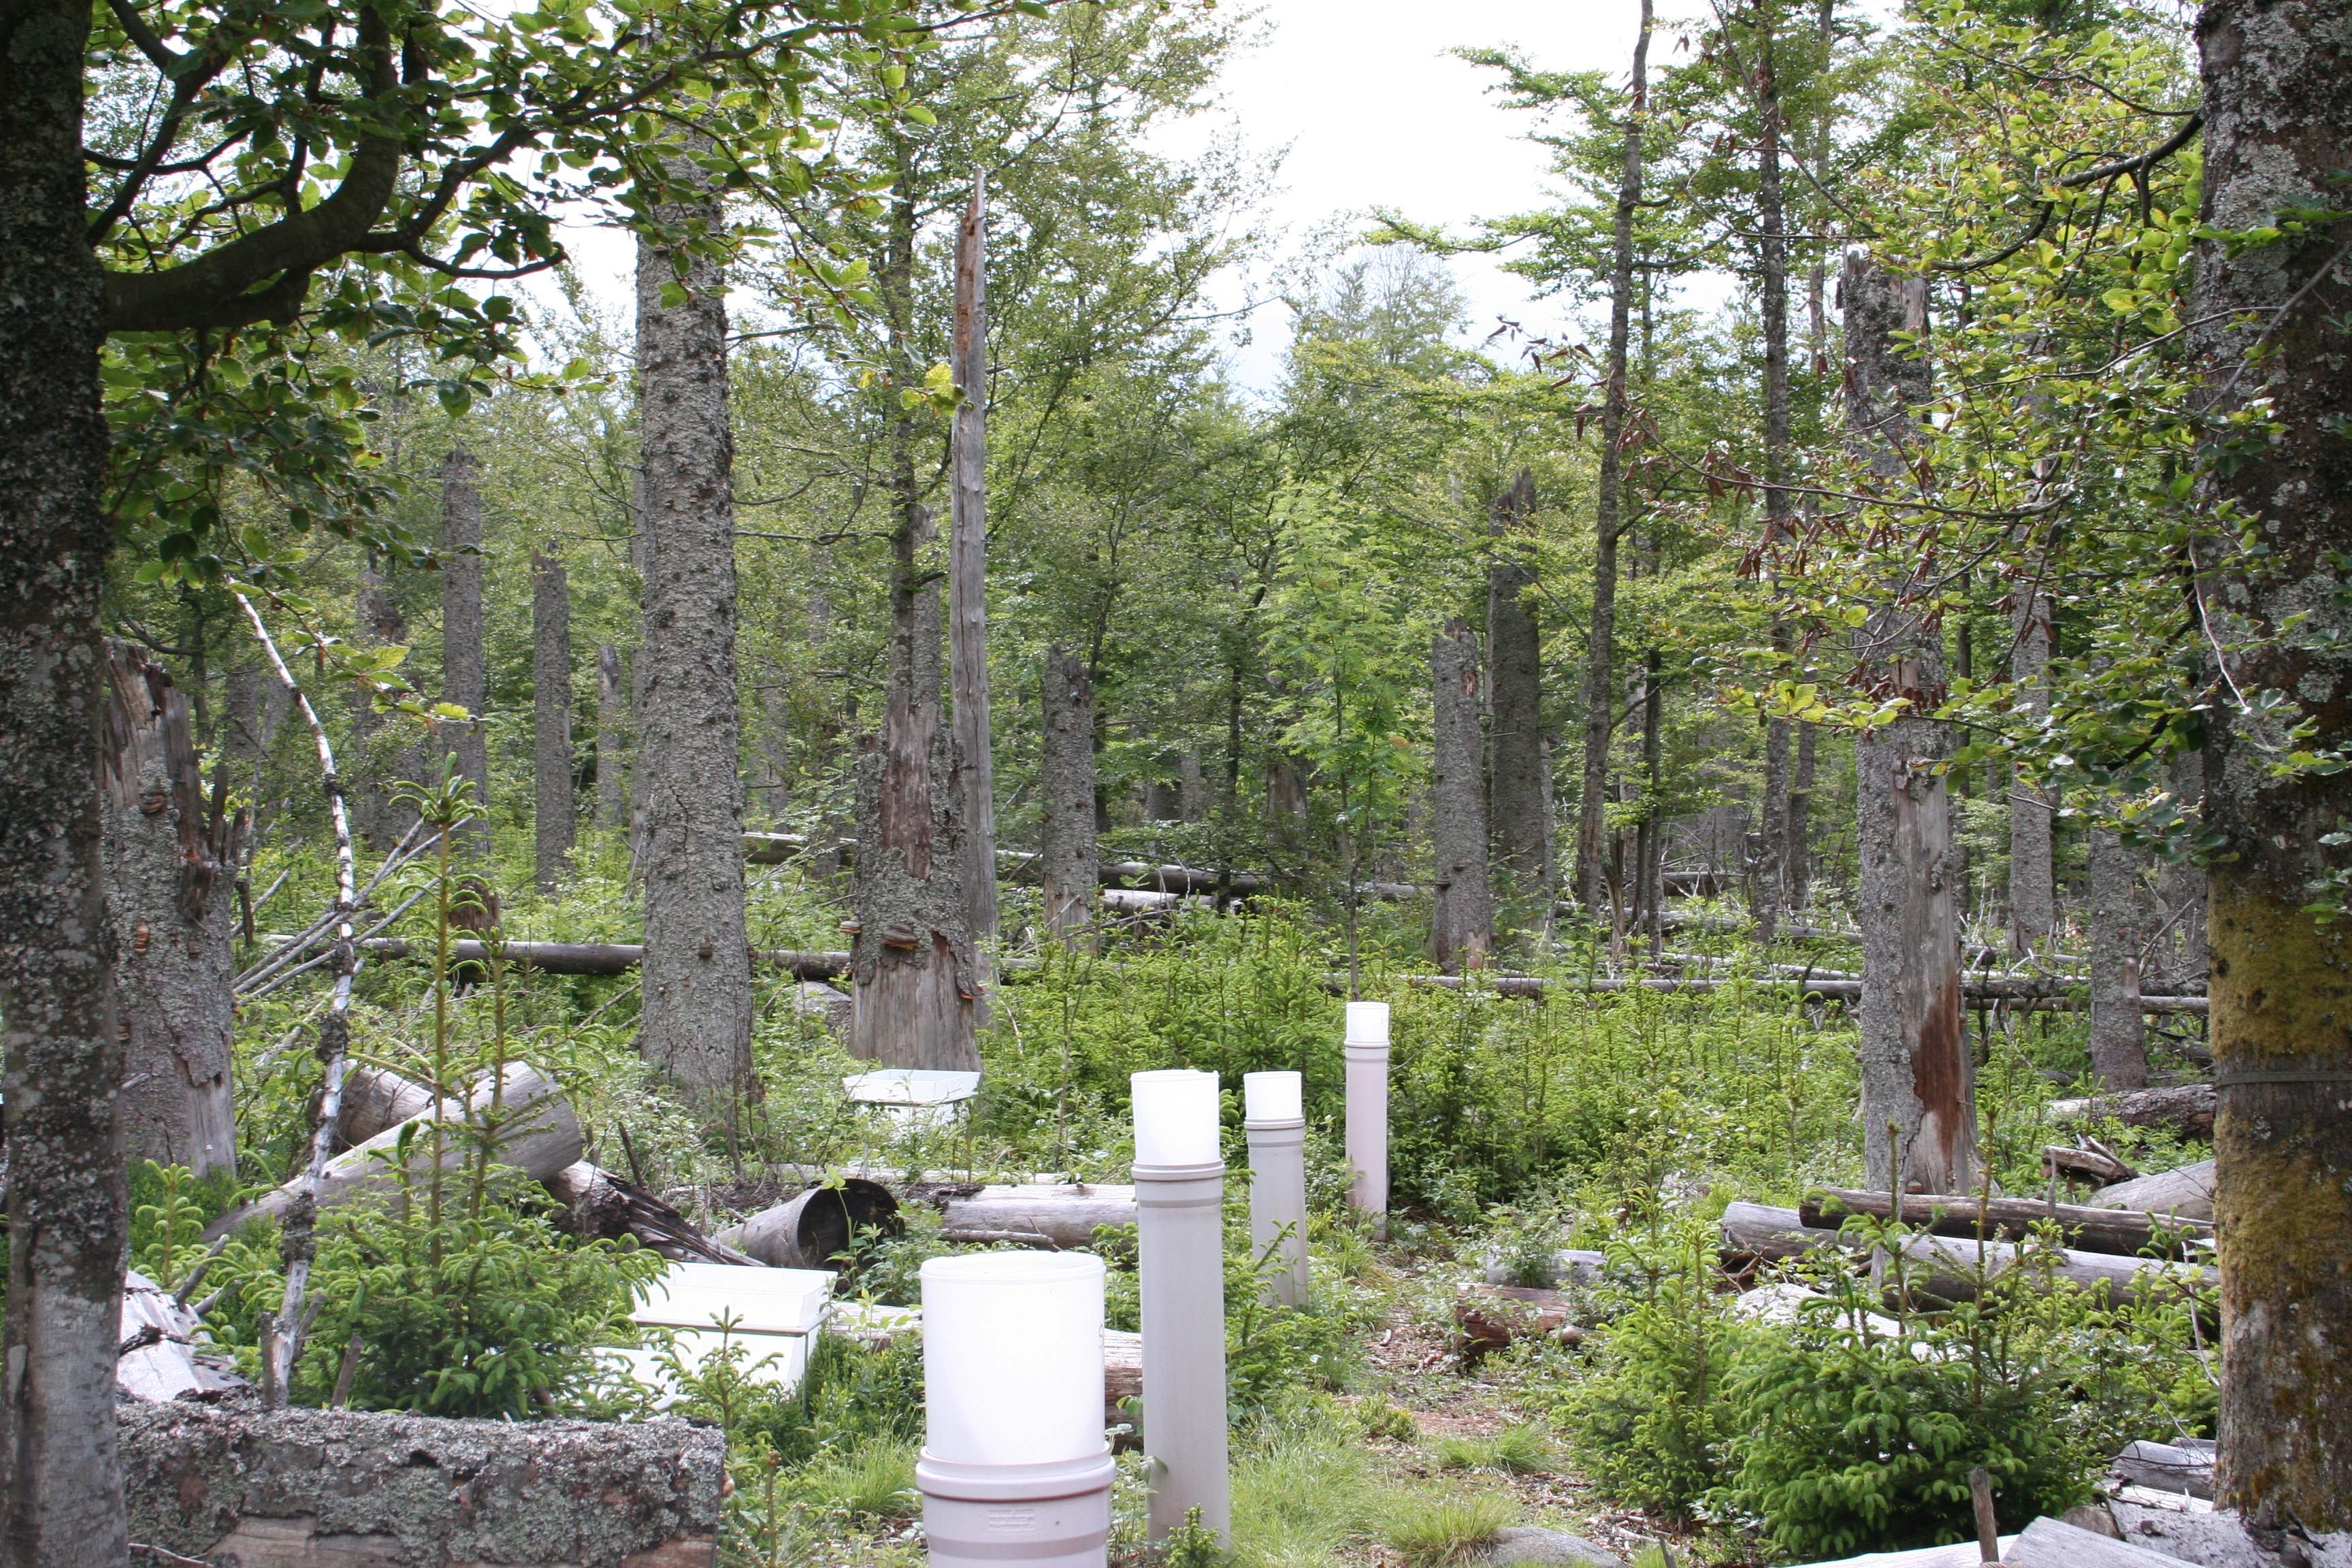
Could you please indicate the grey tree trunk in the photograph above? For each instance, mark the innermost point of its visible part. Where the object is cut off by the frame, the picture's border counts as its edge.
(612, 739)
(1918, 1094)
(1462, 926)
(775, 752)
(170, 898)
(2184, 958)
(1772, 287)
(1518, 777)
(2032, 882)
(698, 968)
(1591, 807)
(2118, 1032)
(379, 760)
(1797, 840)
(555, 816)
(61, 1479)
(1649, 838)
(1765, 885)
(1065, 789)
(1191, 788)
(2278, 137)
(968, 586)
(465, 678)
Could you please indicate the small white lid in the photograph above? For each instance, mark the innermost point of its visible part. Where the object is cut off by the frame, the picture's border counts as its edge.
(1368, 1023)
(1273, 1095)
(1175, 1118)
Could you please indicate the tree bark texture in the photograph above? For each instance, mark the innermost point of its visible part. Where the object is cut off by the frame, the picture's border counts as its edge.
(698, 972)
(1518, 766)
(1591, 807)
(60, 1481)
(465, 671)
(1917, 1077)
(554, 818)
(1773, 288)
(968, 584)
(1462, 926)
(378, 758)
(612, 739)
(170, 898)
(1797, 838)
(912, 958)
(2182, 960)
(2118, 1039)
(1065, 790)
(2032, 882)
(2278, 137)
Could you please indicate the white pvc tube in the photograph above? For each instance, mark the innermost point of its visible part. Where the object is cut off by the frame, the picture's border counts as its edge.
(1013, 1466)
(1367, 1053)
(1179, 1240)
(1275, 1124)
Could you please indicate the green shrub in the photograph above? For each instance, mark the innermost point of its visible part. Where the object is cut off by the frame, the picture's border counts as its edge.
(1435, 1531)
(1515, 1450)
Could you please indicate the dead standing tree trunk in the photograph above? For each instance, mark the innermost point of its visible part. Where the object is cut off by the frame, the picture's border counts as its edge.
(169, 895)
(377, 758)
(1918, 1099)
(1519, 763)
(465, 678)
(1772, 285)
(2119, 1036)
(698, 972)
(968, 587)
(555, 816)
(1066, 788)
(2032, 884)
(1462, 931)
(612, 739)
(1592, 810)
(2278, 137)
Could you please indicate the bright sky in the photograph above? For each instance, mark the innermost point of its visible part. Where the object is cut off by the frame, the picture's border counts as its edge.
(1376, 112)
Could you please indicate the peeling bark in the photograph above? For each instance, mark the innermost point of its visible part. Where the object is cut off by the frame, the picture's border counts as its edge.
(465, 676)
(554, 818)
(168, 898)
(1519, 765)
(1462, 928)
(1065, 789)
(2278, 137)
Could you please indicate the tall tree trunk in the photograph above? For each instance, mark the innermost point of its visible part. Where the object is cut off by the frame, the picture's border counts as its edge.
(1462, 927)
(378, 757)
(775, 751)
(2119, 1031)
(1191, 789)
(2032, 882)
(1797, 841)
(168, 898)
(1065, 789)
(2185, 961)
(1917, 1077)
(916, 982)
(697, 1018)
(1518, 771)
(465, 675)
(2278, 137)
(968, 587)
(1592, 801)
(554, 818)
(60, 1482)
(1772, 285)
(1649, 845)
(612, 739)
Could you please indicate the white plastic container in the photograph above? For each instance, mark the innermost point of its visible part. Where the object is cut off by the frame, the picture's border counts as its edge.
(1274, 1124)
(1365, 1052)
(1180, 1181)
(1271, 1097)
(1367, 1024)
(774, 1314)
(1175, 1118)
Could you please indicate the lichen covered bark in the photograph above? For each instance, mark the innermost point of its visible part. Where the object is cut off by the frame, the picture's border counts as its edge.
(1065, 791)
(1462, 923)
(2278, 137)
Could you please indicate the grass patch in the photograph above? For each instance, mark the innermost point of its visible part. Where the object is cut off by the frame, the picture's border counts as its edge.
(872, 1480)
(1445, 1529)
(1517, 1450)
(1299, 1497)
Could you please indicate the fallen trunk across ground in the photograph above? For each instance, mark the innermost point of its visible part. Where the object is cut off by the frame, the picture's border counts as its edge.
(2125, 1231)
(1945, 1266)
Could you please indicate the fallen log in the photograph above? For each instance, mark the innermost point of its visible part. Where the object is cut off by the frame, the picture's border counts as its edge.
(2186, 1467)
(2093, 1164)
(306, 1489)
(1059, 1217)
(374, 1099)
(2183, 1194)
(1947, 1268)
(2187, 1109)
(597, 957)
(2052, 1543)
(817, 1228)
(2021, 995)
(2127, 1232)
(600, 1205)
(1122, 1374)
(537, 1134)
(1490, 1317)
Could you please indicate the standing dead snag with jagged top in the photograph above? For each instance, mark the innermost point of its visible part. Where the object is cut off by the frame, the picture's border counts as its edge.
(2278, 139)
(1065, 789)
(1518, 760)
(2032, 883)
(464, 671)
(689, 781)
(553, 814)
(968, 585)
(168, 894)
(1918, 1097)
(1462, 923)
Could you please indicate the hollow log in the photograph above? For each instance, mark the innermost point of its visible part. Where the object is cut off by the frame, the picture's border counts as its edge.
(600, 1205)
(1060, 1218)
(2184, 1193)
(538, 1134)
(2127, 1232)
(1491, 1316)
(375, 1099)
(2186, 1467)
(343, 1488)
(1945, 1266)
(2187, 1109)
(813, 1229)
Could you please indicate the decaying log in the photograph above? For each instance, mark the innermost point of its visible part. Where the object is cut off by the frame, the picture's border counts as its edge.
(2096, 1164)
(2184, 1194)
(815, 1228)
(537, 1134)
(341, 1489)
(2125, 1231)
(2186, 1467)
(598, 957)
(600, 1205)
(1122, 1374)
(1061, 1217)
(375, 1099)
(2185, 1107)
(1944, 1266)
(2053, 1543)
(161, 1357)
(1491, 1316)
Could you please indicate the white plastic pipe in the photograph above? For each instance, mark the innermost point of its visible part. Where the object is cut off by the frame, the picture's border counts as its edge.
(1367, 1053)
(1013, 1467)
(1179, 1193)
(1274, 1118)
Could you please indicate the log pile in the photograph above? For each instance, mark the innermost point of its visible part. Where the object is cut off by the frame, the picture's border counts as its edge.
(2186, 1108)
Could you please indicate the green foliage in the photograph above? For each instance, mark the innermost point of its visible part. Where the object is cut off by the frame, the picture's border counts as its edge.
(1515, 1450)
(1447, 1529)
(169, 1211)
